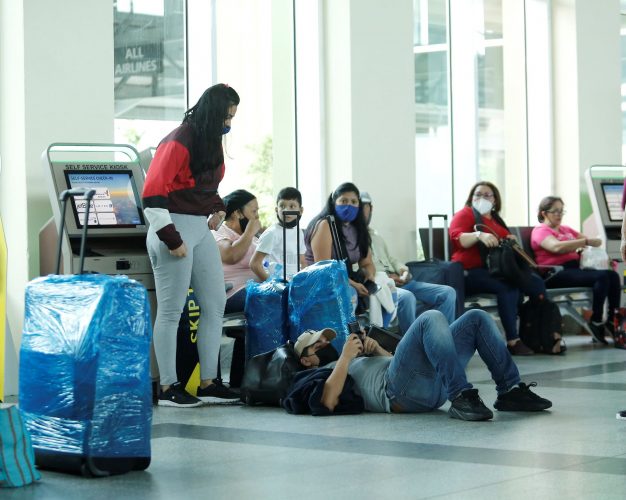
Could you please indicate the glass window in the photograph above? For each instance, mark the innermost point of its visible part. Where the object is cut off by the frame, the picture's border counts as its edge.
(242, 55)
(149, 69)
(432, 109)
(470, 96)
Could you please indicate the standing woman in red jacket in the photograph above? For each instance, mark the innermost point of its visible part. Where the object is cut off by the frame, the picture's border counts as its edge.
(181, 204)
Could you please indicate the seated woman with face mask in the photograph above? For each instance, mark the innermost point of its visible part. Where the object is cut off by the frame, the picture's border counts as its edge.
(345, 204)
(484, 199)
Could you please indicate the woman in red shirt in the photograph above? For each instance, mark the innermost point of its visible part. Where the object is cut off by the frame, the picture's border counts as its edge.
(557, 244)
(484, 199)
(181, 203)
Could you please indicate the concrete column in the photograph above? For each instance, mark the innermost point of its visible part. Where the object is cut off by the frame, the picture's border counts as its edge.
(370, 111)
(587, 99)
(56, 85)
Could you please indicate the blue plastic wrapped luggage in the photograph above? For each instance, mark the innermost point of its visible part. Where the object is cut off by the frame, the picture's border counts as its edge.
(266, 316)
(319, 297)
(85, 388)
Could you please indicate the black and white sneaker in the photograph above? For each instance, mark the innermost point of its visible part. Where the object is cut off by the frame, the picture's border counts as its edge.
(177, 396)
(469, 406)
(218, 393)
(521, 398)
(597, 332)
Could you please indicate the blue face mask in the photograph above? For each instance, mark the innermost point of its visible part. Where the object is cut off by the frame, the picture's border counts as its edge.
(225, 130)
(347, 213)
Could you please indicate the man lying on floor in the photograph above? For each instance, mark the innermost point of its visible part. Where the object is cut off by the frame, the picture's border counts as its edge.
(428, 367)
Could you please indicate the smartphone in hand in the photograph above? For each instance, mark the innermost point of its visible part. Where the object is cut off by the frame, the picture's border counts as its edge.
(372, 287)
(355, 327)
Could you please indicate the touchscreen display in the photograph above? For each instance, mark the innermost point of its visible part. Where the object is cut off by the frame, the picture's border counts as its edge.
(116, 202)
(613, 198)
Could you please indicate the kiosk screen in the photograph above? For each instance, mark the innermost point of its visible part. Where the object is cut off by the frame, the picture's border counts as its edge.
(612, 194)
(116, 203)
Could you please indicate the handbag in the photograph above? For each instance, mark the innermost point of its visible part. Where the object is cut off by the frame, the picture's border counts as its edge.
(269, 375)
(17, 459)
(508, 261)
(594, 258)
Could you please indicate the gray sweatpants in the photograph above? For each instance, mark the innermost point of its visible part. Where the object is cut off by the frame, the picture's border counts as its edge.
(202, 268)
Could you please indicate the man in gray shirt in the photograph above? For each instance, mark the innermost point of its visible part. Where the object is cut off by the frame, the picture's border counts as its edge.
(427, 368)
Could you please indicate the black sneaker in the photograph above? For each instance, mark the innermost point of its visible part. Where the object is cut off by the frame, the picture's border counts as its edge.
(469, 406)
(521, 398)
(176, 395)
(217, 392)
(597, 332)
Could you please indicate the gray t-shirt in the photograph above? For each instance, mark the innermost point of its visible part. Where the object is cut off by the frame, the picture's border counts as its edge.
(369, 376)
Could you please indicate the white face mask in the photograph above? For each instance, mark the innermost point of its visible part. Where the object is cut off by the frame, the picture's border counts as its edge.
(482, 205)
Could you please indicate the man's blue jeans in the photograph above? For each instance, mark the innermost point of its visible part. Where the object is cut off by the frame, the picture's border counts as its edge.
(424, 296)
(429, 363)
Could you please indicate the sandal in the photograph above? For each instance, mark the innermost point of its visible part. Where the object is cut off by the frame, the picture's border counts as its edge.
(562, 347)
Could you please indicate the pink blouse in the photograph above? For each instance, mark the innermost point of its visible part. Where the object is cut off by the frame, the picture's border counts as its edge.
(239, 273)
(563, 233)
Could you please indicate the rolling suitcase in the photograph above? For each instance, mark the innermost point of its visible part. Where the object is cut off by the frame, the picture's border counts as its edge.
(320, 297)
(85, 389)
(266, 305)
(440, 272)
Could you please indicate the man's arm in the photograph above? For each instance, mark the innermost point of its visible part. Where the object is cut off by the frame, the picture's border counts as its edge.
(337, 379)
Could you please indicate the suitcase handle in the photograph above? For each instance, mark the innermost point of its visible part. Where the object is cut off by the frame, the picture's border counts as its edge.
(287, 213)
(446, 251)
(88, 193)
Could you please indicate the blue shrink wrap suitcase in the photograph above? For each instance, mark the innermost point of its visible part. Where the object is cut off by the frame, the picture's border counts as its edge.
(319, 297)
(85, 388)
(266, 304)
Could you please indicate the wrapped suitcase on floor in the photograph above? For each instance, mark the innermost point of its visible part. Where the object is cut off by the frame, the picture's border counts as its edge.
(266, 305)
(319, 297)
(85, 388)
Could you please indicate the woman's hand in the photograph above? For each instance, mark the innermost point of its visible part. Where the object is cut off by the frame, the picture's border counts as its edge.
(253, 227)
(593, 242)
(215, 220)
(488, 239)
(360, 288)
(181, 251)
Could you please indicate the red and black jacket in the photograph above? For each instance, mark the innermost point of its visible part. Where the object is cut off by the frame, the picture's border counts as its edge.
(172, 187)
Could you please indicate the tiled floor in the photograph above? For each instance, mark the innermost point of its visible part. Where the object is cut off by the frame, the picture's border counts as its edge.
(575, 450)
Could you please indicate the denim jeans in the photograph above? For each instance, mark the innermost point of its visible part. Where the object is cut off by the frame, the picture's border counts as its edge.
(429, 363)
(605, 284)
(439, 297)
(478, 280)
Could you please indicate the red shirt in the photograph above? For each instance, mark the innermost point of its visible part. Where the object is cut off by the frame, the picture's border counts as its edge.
(463, 222)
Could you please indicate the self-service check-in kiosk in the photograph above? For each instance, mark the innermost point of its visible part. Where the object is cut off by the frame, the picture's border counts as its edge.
(116, 241)
(605, 184)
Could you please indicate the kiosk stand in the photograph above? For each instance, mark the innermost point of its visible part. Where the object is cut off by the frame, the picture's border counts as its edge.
(117, 228)
(605, 184)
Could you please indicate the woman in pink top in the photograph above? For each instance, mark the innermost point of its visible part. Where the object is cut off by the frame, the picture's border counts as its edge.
(237, 241)
(557, 244)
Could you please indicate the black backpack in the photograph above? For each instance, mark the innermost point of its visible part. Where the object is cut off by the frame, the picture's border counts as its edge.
(539, 320)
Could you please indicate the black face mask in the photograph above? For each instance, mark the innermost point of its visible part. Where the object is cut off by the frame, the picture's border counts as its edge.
(288, 225)
(243, 222)
(327, 355)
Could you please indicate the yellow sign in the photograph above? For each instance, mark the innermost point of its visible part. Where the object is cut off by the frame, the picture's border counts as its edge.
(3, 304)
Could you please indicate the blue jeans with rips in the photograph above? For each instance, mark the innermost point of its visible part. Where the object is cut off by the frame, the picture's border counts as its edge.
(429, 363)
